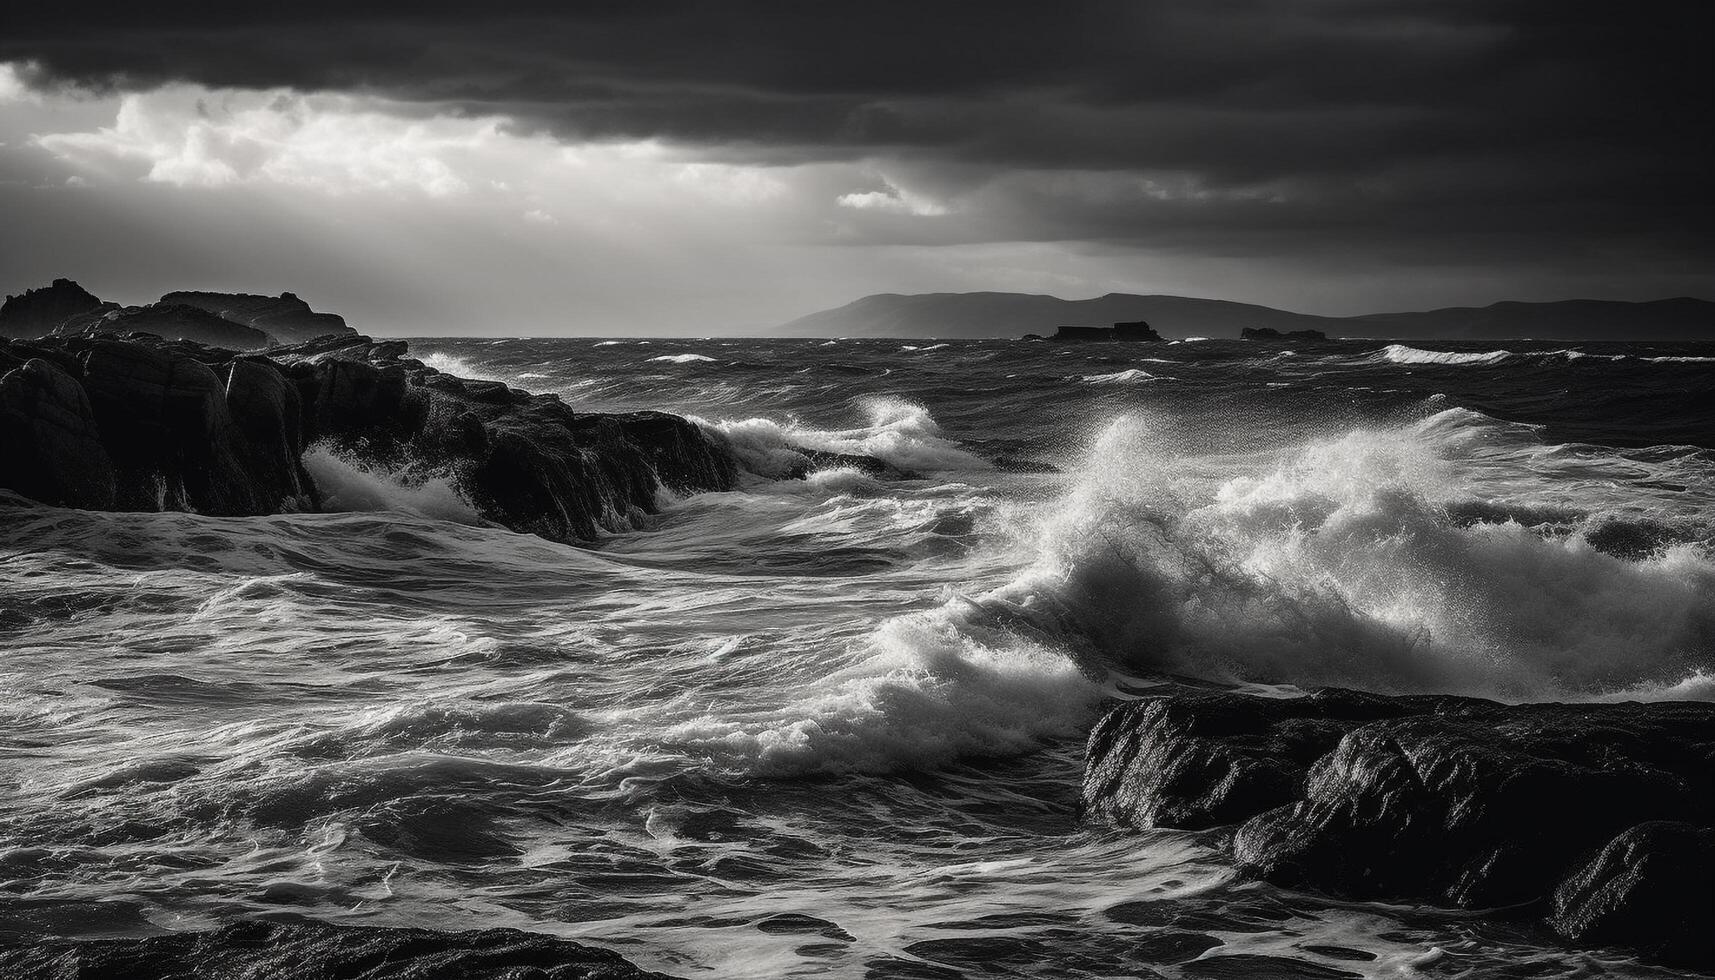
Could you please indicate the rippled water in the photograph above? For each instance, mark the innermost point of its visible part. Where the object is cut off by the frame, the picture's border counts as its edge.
(834, 726)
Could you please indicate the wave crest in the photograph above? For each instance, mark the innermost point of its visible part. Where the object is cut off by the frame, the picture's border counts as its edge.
(1345, 566)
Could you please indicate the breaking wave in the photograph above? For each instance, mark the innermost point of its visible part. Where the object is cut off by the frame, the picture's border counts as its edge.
(1401, 354)
(896, 431)
(1129, 376)
(347, 485)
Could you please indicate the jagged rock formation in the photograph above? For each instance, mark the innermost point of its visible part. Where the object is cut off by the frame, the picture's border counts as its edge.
(37, 312)
(1595, 816)
(284, 317)
(169, 321)
(145, 424)
(315, 951)
(1269, 333)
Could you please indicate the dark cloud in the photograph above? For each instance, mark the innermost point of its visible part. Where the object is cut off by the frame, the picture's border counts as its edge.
(1416, 127)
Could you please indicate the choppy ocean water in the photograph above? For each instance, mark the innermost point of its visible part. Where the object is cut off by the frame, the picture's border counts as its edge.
(834, 726)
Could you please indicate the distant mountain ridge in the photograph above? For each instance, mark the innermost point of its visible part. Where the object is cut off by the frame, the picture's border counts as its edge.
(974, 315)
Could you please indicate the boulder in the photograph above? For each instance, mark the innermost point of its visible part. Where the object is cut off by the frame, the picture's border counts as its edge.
(285, 317)
(37, 312)
(268, 413)
(164, 419)
(1455, 801)
(50, 448)
(316, 951)
(1203, 760)
(1651, 888)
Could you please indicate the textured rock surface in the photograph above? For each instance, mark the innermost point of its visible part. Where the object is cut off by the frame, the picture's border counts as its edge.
(170, 321)
(36, 312)
(1455, 801)
(188, 427)
(50, 448)
(284, 317)
(312, 951)
(1652, 887)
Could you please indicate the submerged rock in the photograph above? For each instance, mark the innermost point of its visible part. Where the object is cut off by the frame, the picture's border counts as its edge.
(315, 951)
(36, 312)
(1455, 801)
(147, 424)
(284, 317)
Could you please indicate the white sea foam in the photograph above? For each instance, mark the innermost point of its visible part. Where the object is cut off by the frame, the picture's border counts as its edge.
(1401, 354)
(896, 431)
(682, 358)
(1342, 566)
(352, 486)
(1128, 376)
(462, 368)
(929, 688)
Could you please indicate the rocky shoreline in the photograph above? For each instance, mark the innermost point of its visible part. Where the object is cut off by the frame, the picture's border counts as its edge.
(1595, 820)
(264, 950)
(145, 424)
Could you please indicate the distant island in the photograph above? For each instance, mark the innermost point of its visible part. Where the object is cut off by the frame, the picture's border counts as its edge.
(976, 315)
(1133, 330)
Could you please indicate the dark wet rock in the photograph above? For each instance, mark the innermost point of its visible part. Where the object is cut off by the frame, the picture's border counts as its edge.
(284, 317)
(168, 321)
(314, 951)
(190, 427)
(1271, 334)
(1455, 801)
(53, 451)
(165, 420)
(1201, 760)
(266, 408)
(36, 312)
(1652, 888)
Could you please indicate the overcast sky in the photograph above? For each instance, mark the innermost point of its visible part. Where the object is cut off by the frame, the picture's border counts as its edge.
(699, 167)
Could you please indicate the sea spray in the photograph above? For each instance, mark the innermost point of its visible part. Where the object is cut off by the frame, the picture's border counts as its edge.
(347, 484)
(1343, 566)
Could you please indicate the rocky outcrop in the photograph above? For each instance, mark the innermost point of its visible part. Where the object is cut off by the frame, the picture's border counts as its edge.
(278, 951)
(1133, 330)
(284, 317)
(1596, 817)
(1271, 334)
(37, 312)
(169, 321)
(146, 424)
(53, 450)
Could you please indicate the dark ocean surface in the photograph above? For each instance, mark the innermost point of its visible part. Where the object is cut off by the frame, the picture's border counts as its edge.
(834, 726)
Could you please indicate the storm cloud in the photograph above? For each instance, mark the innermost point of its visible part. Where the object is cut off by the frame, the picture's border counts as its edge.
(1553, 143)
